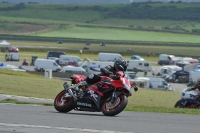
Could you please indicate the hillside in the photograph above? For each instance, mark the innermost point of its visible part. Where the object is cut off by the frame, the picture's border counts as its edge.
(126, 20)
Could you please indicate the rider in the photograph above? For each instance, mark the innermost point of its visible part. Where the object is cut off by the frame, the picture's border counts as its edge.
(197, 86)
(111, 71)
(25, 61)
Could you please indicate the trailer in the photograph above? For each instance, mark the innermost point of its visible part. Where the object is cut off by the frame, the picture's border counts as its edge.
(141, 65)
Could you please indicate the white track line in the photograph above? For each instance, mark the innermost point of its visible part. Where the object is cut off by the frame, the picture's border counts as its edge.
(60, 128)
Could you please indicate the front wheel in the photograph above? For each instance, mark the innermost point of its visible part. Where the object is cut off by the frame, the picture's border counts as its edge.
(178, 105)
(113, 108)
(63, 104)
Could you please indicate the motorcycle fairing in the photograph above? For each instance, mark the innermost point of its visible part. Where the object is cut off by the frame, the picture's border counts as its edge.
(85, 103)
(190, 101)
(90, 97)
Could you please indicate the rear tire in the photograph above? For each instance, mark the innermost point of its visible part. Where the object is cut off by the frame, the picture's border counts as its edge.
(118, 106)
(63, 105)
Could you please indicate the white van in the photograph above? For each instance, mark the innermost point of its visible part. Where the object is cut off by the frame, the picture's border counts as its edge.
(42, 64)
(159, 83)
(73, 69)
(64, 59)
(13, 56)
(108, 56)
(165, 59)
(139, 64)
(93, 67)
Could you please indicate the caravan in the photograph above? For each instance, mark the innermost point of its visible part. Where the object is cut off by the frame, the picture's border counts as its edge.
(169, 69)
(139, 64)
(109, 56)
(93, 67)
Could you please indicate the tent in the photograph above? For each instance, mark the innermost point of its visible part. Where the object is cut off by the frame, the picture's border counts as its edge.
(5, 43)
(182, 76)
(3, 65)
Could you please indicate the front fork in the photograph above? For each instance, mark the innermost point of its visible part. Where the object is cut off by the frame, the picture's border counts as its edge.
(69, 90)
(113, 96)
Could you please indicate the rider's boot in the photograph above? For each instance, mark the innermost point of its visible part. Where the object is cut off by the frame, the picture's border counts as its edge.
(81, 84)
(78, 93)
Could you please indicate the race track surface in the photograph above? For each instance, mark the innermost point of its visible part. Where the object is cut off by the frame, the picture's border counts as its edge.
(43, 119)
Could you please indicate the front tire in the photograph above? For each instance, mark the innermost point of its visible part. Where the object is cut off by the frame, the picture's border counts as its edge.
(62, 104)
(178, 105)
(114, 108)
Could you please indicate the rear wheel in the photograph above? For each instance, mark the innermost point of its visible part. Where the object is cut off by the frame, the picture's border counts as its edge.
(113, 108)
(63, 104)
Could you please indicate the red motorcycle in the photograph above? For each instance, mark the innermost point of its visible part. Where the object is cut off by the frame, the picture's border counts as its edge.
(108, 95)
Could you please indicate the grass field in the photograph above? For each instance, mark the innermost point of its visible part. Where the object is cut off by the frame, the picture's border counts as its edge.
(114, 34)
(145, 100)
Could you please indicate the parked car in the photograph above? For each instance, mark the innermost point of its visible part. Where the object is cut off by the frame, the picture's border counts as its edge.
(136, 57)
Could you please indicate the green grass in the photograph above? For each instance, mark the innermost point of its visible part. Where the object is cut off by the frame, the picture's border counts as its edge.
(119, 34)
(144, 100)
(193, 26)
(29, 85)
(157, 24)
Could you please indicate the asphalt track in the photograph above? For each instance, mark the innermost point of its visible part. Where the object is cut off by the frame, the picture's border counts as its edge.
(43, 119)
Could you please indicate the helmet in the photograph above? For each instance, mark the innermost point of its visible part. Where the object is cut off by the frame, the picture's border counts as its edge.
(120, 64)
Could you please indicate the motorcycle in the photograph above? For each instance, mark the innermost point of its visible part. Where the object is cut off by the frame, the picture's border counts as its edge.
(108, 96)
(188, 99)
